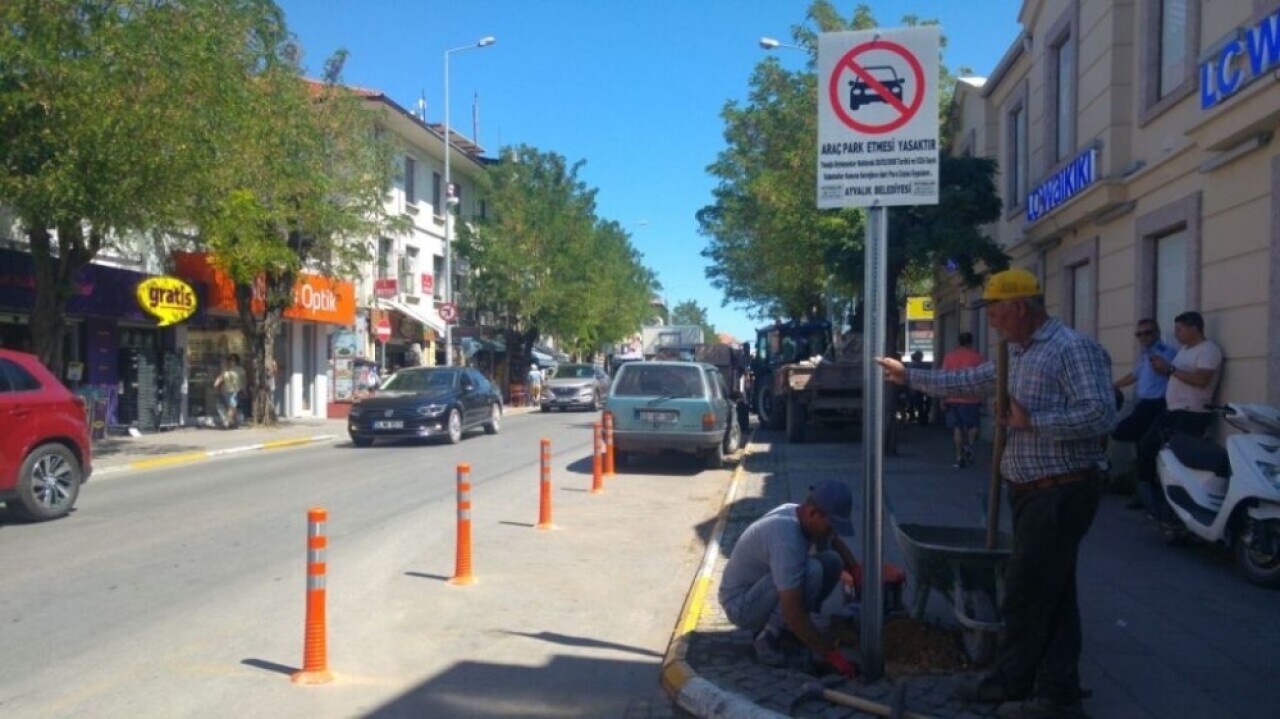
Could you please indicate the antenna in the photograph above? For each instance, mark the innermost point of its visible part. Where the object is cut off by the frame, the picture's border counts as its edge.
(475, 119)
(422, 105)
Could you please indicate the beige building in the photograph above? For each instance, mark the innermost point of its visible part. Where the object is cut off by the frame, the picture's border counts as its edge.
(1138, 173)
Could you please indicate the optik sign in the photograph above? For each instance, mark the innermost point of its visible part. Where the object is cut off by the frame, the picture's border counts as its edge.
(168, 299)
(1244, 57)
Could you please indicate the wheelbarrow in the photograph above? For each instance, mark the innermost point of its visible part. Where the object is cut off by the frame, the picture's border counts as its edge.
(955, 562)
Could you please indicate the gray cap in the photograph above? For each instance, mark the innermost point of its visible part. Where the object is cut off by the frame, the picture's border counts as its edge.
(836, 501)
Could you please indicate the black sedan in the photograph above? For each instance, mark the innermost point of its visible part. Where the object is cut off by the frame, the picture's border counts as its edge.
(427, 402)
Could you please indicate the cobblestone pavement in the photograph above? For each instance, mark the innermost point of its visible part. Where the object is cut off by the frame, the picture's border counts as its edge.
(1169, 632)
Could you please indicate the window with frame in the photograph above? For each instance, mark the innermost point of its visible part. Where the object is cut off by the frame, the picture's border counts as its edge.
(1017, 156)
(437, 265)
(385, 247)
(1173, 50)
(410, 180)
(408, 266)
(1083, 292)
(1064, 58)
(436, 186)
(1170, 273)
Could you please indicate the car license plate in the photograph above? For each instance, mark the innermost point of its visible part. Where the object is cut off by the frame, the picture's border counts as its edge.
(389, 424)
(648, 415)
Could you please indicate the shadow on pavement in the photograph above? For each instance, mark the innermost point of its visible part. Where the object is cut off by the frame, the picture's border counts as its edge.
(566, 686)
(572, 641)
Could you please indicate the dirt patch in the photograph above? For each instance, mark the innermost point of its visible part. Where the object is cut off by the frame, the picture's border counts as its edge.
(914, 647)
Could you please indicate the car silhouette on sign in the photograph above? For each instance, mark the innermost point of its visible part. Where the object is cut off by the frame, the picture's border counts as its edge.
(860, 93)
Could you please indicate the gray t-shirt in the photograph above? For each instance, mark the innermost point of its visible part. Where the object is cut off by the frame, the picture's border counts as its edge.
(773, 545)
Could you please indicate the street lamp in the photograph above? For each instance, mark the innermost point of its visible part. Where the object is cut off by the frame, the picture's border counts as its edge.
(769, 43)
(451, 199)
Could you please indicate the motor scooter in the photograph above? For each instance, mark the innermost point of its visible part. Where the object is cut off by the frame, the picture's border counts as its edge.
(1229, 495)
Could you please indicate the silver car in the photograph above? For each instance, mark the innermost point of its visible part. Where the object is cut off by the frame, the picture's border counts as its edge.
(575, 385)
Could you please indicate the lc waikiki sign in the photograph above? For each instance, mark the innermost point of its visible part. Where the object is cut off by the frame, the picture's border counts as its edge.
(168, 299)
(1246, 55)
(1063, 185)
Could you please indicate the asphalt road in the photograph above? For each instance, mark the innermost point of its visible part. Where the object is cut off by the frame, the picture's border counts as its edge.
(180, 591)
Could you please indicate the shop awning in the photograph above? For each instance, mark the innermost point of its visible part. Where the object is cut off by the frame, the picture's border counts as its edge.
(427, 317)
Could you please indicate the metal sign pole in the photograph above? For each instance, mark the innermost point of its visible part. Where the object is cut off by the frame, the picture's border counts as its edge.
(873, 313)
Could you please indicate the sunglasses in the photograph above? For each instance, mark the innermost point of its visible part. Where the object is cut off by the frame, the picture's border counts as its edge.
(1143, 333)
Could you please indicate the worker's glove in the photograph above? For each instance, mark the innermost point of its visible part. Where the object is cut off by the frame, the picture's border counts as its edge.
(843, 667)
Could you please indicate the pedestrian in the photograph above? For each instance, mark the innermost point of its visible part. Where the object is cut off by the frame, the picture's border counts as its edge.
(773, 580)
(1192, 380)
(229, 384)
(534, 380)
(919, 402)
(1061, 405)
(961, 411)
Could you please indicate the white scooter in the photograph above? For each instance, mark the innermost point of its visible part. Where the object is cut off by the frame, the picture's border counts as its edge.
(1229, 495)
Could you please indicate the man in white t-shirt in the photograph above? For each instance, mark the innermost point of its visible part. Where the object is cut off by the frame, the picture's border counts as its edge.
(1193, 379)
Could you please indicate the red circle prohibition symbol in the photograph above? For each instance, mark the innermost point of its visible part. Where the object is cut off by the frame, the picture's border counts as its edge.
(846, 63)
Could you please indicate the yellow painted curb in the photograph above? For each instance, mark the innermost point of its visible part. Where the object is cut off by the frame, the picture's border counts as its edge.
(676, 672)
(277, 443)
(170, 460)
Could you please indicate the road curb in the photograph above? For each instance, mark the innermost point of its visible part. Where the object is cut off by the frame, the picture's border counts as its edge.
(688, 690)
(189, 457)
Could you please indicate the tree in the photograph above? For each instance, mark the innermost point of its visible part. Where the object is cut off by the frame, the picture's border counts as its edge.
(113, 115)
(773, 250)
(543, 262)
(304, 191)
(690, 312)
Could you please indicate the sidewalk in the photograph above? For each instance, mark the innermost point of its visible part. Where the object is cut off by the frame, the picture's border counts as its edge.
(194, 444)
(1168, 631)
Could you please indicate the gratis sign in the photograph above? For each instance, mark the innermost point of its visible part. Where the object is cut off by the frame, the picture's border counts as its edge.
(878, 118)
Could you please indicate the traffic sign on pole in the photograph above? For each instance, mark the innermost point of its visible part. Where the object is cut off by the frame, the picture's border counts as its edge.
(382, 329)
(449, 312)
(878, 118)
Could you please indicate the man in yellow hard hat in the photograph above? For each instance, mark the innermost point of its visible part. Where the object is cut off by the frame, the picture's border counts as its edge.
(1061, 404)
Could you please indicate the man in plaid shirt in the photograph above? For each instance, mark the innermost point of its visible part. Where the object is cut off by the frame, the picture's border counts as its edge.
(1061, 405)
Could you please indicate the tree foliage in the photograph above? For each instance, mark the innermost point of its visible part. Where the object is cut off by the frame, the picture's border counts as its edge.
(111, 114)
(772, 249)
(303, 191)
(689, 312)
(543, 263)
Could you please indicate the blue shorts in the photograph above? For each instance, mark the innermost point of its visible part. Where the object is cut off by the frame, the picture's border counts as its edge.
(231, 399)
(962, 416)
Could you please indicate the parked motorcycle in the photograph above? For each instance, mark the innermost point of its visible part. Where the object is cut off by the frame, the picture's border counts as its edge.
(1229, 495)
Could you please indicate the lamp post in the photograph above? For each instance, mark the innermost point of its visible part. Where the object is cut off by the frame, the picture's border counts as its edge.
(451, 199)
(769, 43)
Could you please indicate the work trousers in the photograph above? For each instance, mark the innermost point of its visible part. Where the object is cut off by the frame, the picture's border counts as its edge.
(1040, 652)
(1133, 427)
(759, 605)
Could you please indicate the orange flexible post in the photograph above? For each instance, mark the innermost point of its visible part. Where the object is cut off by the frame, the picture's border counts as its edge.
(597, 473)
(315, 647)
(544, 503)
(608, 443)
(462, 566)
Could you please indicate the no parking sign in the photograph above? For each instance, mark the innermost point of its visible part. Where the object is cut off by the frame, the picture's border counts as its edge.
(878, 118)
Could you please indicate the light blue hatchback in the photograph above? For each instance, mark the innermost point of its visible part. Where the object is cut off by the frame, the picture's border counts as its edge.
(672, 407)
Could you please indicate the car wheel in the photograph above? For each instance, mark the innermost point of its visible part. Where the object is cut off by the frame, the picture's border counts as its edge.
(362, 441)
(495, 419)
(732, 437)
(454, 425)
(48, 483)
(595, 402)
(544, 408)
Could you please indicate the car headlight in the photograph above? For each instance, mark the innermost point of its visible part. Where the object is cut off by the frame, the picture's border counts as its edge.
(584, 392)
(432, 410)
(356, 411)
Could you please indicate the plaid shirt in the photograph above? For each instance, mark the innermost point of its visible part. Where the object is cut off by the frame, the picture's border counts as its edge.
(1063, 379)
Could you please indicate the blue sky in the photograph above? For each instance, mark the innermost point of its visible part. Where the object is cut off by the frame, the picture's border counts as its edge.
(632, 87)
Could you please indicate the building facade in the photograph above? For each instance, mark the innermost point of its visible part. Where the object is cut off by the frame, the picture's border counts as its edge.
(1138, 174)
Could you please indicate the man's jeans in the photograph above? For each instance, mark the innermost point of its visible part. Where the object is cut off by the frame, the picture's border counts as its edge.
(758, 606)
(1040, 651)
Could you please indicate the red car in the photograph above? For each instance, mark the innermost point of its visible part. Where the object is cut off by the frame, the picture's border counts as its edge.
(44, 440)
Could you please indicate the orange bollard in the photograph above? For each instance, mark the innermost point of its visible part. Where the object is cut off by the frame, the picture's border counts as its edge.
(315, 647)
(544, 503)
(608, 444)
(462, 566)
(597, 478)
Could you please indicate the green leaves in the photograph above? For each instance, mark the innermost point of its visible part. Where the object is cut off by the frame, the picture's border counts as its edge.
(542, 260)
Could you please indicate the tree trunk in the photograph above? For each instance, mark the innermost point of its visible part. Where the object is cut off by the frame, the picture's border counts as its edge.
(260, 336)
(55, 282)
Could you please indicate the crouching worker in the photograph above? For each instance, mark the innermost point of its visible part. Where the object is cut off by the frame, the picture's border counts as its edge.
(782, 568)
